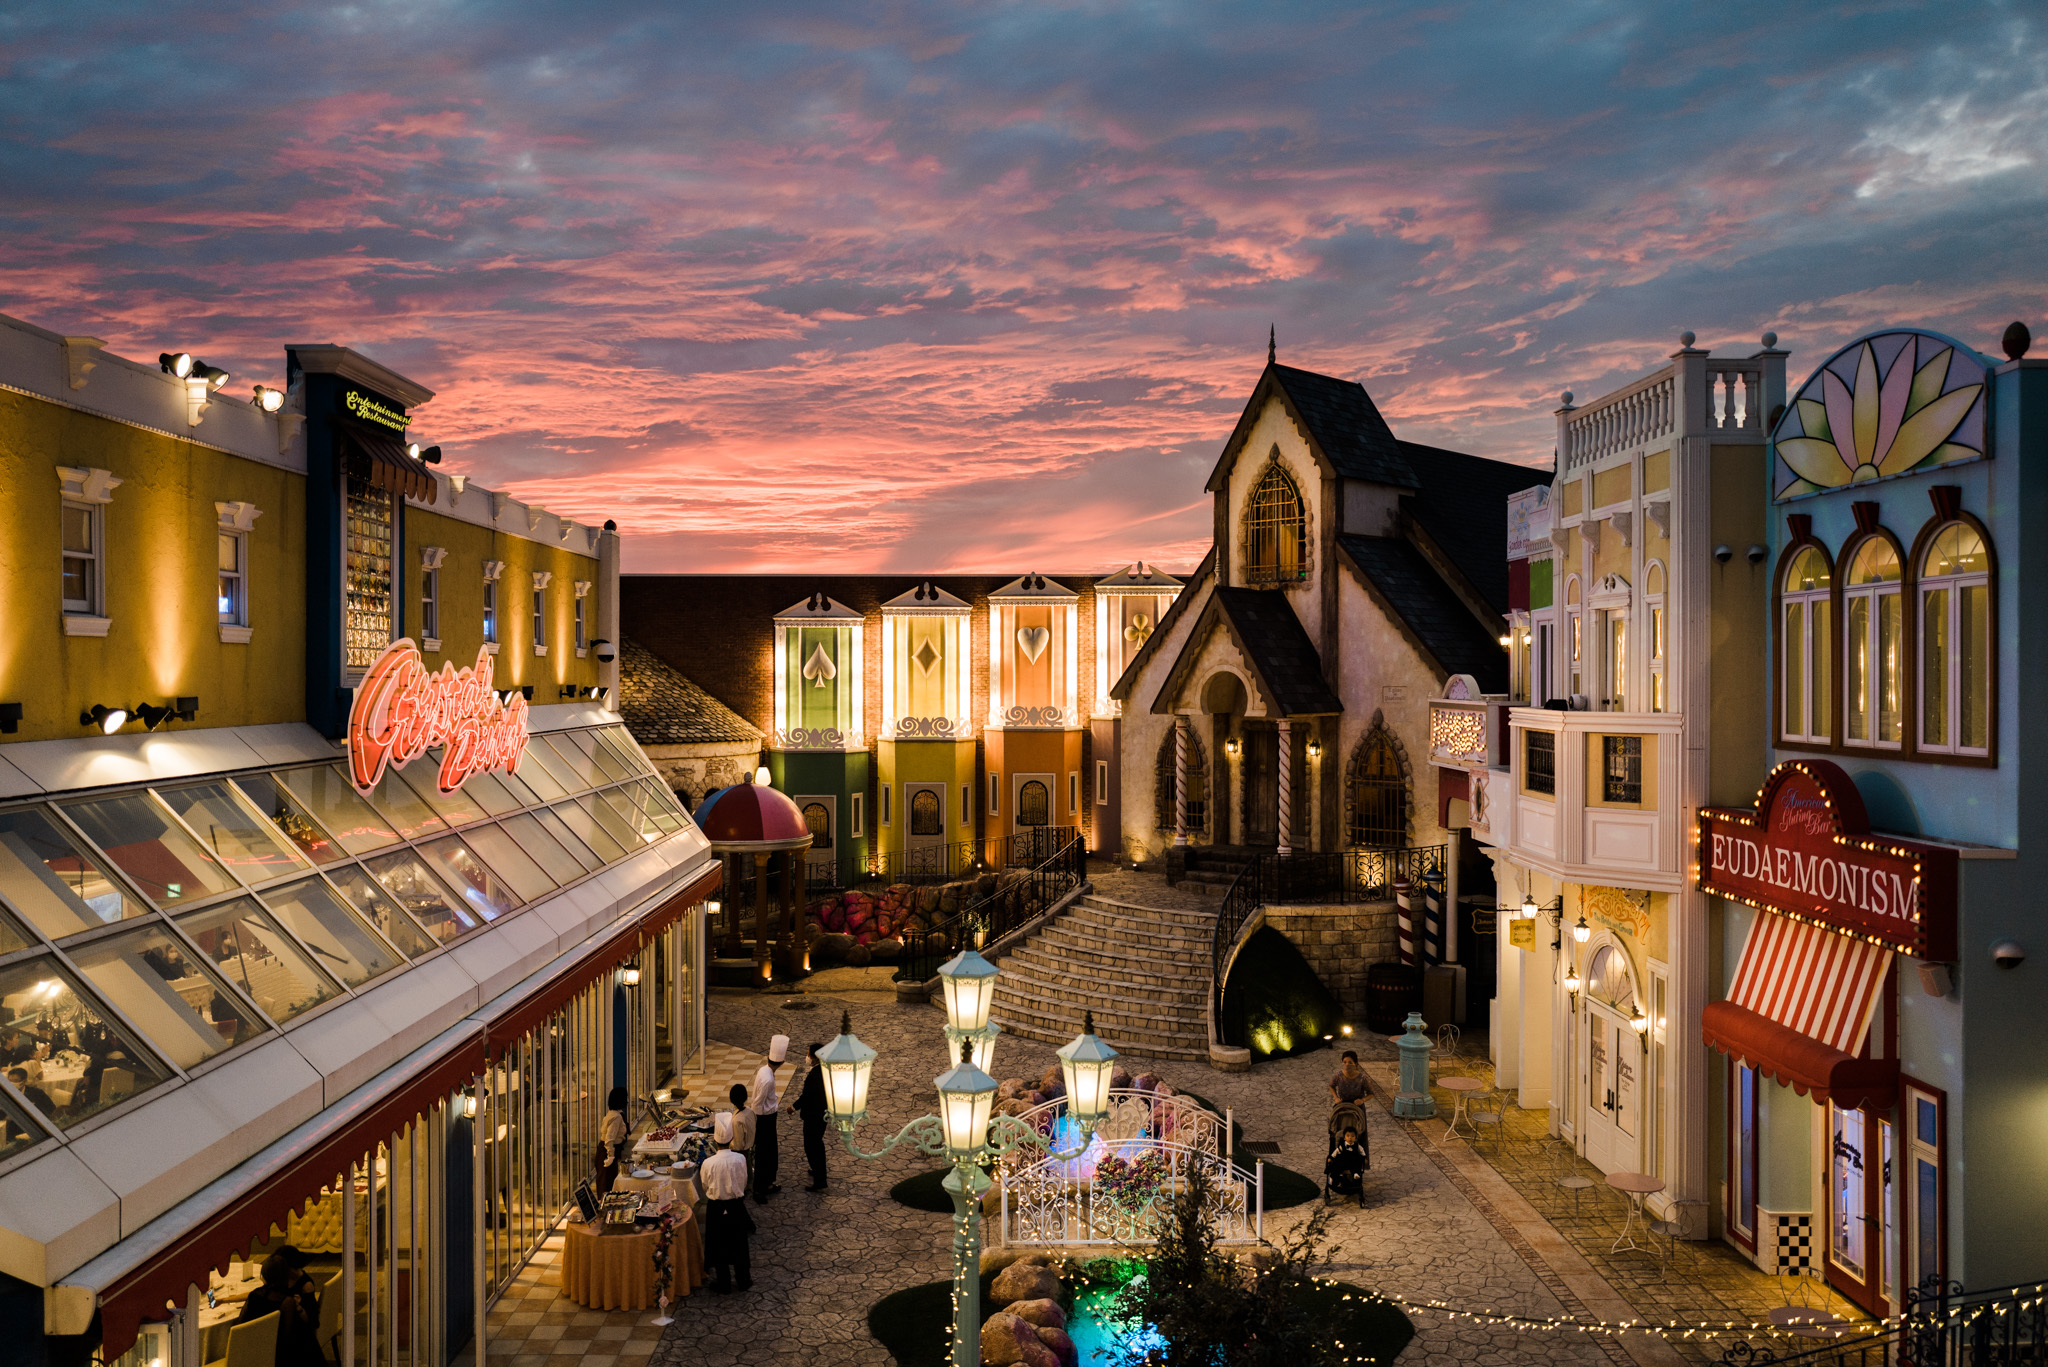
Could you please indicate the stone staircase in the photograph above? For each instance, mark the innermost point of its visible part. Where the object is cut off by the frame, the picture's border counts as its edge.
(1143, 971)
(1211, 869)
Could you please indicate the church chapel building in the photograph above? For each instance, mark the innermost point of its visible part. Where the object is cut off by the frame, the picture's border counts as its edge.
(1286, 693)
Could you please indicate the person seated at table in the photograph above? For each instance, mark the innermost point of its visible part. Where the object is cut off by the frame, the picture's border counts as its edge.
(743, 1122)
(289, 1292)
(727, 1225)
(16, 1046)
(36, 1096)
(1345, 1169)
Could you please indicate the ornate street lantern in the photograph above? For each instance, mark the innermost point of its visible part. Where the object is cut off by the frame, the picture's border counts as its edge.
(1086, 1064)
(969, 982)
(848, 1066)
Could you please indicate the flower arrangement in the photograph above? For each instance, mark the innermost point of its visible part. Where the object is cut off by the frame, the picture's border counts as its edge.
(664, 1265)
(1132, 1184)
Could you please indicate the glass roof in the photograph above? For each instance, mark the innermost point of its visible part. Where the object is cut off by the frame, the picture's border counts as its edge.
(145, 931)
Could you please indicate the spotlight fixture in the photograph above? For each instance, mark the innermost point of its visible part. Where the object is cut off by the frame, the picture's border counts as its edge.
(568, 691)
(1582, 932)
(178, 363)
(151, 717)
(432, 455)
(214, 376)
(268, 399)
(413, 449)
(526, 692)
(505, 698)
(107, 719)
(185, 708)
(10, 717)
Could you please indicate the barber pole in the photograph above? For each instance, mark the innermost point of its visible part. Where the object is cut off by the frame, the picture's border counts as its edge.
(1404, 921)
(1432, 920)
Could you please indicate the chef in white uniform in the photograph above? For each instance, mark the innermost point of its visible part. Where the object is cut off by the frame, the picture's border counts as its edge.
(727, 1226)
(765, 1103)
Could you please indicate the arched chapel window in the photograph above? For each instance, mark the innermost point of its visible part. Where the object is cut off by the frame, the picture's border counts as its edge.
(1275, 532)
(1198, 786)
(1379, 794)
(925, 817)
(1034, 804)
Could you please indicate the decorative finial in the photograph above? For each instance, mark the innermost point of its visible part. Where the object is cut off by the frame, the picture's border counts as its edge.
(2016, 340)
(1270, 348)
(966, 1052)
(1567, 398)
(1685, 338)
(1087, 1022)
(846, 1022)
(1770, 340)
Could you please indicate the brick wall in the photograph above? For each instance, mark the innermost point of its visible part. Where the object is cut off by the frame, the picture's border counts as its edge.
(1340, 943)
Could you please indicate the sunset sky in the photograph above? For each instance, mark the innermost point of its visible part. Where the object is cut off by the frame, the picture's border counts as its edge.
(984, 286)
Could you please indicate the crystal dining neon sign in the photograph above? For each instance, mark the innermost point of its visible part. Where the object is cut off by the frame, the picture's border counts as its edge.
(402, 710)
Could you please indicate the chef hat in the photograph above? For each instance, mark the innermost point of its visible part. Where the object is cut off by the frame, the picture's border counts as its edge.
(778, 1049)
(722, 1127)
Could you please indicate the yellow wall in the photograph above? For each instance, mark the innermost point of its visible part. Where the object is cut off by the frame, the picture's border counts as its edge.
(1612, 486)
(462, 602)
(160, 577)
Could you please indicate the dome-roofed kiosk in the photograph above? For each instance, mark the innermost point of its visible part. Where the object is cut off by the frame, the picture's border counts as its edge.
(753, 819)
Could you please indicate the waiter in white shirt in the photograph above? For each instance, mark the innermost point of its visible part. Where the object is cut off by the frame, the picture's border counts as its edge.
(726, 1222)
(764, 1103)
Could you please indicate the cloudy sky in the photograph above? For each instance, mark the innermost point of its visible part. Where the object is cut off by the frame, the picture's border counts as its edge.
(906, 285)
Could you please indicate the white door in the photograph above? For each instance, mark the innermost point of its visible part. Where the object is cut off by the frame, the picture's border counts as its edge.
(1613, 1070)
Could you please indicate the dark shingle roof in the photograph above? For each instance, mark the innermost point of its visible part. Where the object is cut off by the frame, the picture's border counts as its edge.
(1343, 420)
(1279, 649)
(1430, 608)
(661, 707)
(1462, 505)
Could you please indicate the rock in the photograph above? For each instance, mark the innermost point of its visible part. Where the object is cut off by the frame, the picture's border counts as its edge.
(1009, 1087)
(1059, 1345)
(996, 1259)
(1119, 1077)
(1026, 1281)
(1045, 1314)
(886, 951)
(1145, 1082)
(928, 899)
(1000, 1345)
(833, 947)
(859, 956)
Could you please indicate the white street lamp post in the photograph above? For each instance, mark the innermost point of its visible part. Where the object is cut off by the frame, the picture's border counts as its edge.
(962, 1131)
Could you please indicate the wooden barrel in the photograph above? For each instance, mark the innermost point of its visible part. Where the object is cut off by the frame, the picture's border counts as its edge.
(1391, 992)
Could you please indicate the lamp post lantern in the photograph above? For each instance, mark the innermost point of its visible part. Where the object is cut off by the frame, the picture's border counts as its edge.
(963, 1132)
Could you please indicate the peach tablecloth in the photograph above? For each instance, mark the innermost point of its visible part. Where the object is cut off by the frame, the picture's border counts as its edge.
(616, 1271)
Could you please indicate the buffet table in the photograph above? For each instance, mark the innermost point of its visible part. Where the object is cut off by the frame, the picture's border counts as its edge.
(616, 1271)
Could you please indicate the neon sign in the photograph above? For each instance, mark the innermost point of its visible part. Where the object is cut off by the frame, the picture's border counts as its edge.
(361, 405)
(402, 709)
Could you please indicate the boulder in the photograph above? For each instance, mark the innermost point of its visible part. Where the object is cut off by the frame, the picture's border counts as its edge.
(928, 899)
(886, 951)
(999, 1344)
(1119, 1077)
(1026, 1281)
(858, 956)
(1059, 1345)
(1046, 1314)
(1009, 1087)
(833, 948)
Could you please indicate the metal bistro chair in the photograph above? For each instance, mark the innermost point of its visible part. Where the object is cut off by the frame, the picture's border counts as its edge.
(1569, 1178)
(1491, 1109)
(1446, 1047)
(1677, 1229)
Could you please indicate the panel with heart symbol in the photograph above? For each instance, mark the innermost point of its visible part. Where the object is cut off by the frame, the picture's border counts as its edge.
(1033, 641)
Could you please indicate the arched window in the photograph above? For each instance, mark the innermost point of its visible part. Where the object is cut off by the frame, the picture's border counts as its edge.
(1034, 805)
(1379, 793)
(925, 816)
(1198, 786)
(1653, 599)
(1873, 632)
(1573, 641)
(1806, 647)
(1955, 642)
(820, 822)
(1275, 534)
(1608, 980)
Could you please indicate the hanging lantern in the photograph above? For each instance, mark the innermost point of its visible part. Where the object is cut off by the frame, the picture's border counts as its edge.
(848, 1066)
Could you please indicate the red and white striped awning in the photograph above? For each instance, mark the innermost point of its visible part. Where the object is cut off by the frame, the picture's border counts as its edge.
(1800, 1010)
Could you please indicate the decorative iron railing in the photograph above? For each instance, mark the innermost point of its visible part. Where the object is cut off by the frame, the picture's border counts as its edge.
(1239, 902)
(1942, 1325)
(1346, 875)
(1034, 869)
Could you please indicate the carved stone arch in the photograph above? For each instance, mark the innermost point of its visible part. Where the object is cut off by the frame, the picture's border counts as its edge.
(1198, 786)
(1276, 527)
(1379, 790)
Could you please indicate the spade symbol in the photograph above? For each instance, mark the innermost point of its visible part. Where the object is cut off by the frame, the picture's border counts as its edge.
(820, 667)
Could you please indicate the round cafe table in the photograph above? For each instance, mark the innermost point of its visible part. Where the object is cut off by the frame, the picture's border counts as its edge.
(616, 1271)
(1636, 1185)
(1461, 1090)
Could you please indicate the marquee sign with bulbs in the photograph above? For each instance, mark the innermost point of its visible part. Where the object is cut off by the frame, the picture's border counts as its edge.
(402, 710)
(1806, 852)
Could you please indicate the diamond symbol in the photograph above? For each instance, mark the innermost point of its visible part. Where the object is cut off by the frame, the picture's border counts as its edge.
(926, 655)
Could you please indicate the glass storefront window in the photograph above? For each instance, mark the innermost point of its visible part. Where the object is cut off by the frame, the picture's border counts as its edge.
(289, 815)
(173, 998)
(583, 823)
(397, 803)
(169, 866)
(17, 1130)
(458, 808)
(542, 757)
(419, 892)
(553, 824)
(625, 834)
(46, 877)
(544, 849)
(497, 849)
(89, 1062)
(1847, 1228)
(369, 900)
(250, 950)
(487, 894)
(345, 946)
(230, 827)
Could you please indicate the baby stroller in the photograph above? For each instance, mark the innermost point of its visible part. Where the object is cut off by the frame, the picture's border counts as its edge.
(1344, 1171)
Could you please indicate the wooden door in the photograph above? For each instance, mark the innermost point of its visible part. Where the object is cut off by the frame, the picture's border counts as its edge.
(1261, 785)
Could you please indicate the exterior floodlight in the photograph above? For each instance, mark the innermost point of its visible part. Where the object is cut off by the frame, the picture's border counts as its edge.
(1086, 1065)
(151, 717)
(214, 376)
(185, 709)
(848, 1065)
(966, 1095)
(107, 719)
(413, 449)
(178, 363)
(630, 975)
(969, 982)
(268, 399)
(1582, 932)
(432, 455)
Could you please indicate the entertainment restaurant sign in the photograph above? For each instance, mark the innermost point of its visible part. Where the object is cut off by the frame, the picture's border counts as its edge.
(1806, 852)
(401, 710)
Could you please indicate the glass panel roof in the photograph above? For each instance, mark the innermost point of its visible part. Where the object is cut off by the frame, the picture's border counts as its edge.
(231, 829)
(47, 877)
(170, 867)
(289, 815)
(181, 1005)
(79, 1058)
(250, 950)
(332, 800)
(341, 940)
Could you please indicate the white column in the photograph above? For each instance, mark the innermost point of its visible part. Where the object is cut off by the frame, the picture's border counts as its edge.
(1285, 787)
(1180, 780)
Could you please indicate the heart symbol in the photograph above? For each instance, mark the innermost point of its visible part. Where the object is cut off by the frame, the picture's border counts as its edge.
(1033, 641)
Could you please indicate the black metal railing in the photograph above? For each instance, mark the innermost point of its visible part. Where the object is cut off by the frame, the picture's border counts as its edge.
(1033, 869)
(1343, 876)
(1941, 1326)
(1239, 902)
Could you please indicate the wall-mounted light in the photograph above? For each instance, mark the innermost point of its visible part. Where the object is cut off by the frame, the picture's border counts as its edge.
(107, 719)
(1528, 906)
(432, 455)
(713, 907)
(1315, 749)
(1231, 746)
(603, 696)
(469, 1106)
(505, 698)
(1506, 641)
(151, 717)
(1582, 932)
(267, 399)
(1572, 985)
(1641, 1025)
(10, 717)
(185, 708)
(178, 363)
(630, 975)
(214, 376)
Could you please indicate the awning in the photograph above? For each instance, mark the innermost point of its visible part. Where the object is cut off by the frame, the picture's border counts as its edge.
(238, 1209)
(1800, 1011)
(380, 457)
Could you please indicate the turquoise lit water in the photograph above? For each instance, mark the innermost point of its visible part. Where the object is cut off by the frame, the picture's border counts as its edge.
(1097, 1339)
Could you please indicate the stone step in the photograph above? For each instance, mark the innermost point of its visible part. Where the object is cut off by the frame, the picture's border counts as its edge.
(1051, 950)
(1153, 916)
(1123, 941)
(1127, 1034)
(1054, 979)
(1129, 1046)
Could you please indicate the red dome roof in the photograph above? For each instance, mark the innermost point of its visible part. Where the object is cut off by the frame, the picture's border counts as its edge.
(752, 816)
